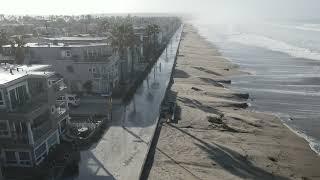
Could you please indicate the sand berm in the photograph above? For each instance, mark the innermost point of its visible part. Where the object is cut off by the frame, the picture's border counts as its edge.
(216, 137)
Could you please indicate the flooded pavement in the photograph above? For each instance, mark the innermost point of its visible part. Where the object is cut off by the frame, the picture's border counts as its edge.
(122, 150)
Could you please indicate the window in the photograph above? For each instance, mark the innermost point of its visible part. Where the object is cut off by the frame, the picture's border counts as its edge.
(4, 128)
(36, 87)
(24, 158)
(1, 98)
(10, 157)
(68, 53)
(18, 96)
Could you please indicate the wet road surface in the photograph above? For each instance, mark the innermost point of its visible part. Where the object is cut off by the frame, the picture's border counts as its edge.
(121, 152)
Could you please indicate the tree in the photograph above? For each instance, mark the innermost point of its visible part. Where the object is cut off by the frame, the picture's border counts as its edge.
(2, 17)
(88, 86)
(3, 40)
(18, 48)
(121, 40)
(155, 32)
(152, 30)
(104, 26)
(86, 20)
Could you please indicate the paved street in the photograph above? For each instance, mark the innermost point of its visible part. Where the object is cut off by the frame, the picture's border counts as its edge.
(121, 152)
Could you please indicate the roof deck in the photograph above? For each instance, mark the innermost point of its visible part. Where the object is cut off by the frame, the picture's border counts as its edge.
(61, 45)
(78, 38)
(9, 72)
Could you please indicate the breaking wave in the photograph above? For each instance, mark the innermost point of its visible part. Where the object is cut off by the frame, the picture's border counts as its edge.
(274, 45)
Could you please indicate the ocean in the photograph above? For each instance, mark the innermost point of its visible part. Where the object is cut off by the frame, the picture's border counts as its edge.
(283, 62)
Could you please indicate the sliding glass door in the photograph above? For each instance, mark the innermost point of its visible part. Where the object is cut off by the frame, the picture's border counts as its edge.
(18, 96)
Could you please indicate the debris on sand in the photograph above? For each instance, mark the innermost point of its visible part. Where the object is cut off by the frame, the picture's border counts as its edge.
(196, 89)
(273, 159)
(242, 95)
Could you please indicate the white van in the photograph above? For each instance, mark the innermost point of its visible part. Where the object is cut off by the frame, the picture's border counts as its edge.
(71, 99)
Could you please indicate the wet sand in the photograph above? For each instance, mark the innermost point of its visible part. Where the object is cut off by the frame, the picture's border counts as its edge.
(216, 137)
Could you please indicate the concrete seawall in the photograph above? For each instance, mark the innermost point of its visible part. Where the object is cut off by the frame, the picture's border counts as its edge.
(156, 130)
(123, 149)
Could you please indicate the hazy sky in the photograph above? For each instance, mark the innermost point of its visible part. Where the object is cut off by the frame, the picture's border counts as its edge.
(215, 9)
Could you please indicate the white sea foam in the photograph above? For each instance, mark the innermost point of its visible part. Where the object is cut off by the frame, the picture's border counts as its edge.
(304, 93)
(309, 27)
(313, 143)
(305, 27)
(274, 45)
(265, 42)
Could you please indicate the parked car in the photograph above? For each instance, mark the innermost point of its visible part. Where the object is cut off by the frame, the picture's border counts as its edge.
(71, 99)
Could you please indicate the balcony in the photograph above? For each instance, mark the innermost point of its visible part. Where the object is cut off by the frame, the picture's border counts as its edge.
(17, 140)
(59, 87)
(39, 131)
(28, 110)
(61, 110)
(7, 59)
(96, 58)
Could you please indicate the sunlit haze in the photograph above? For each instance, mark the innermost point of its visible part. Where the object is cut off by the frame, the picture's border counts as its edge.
(159, 89)
(210, 9)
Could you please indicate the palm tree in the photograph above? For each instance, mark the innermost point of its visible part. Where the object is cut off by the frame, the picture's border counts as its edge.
(86, 20)
(18, 48)
(156, 31)
(104, 26)
(2, 17)
(152, 30)
(121, 40)
(149, 32)
(3, 39)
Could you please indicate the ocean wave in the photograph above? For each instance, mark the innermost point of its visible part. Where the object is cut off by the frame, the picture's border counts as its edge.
(313, 143)
(286, 119)
(305, 27)
(278, 91)
(274, 45)
(309, 27)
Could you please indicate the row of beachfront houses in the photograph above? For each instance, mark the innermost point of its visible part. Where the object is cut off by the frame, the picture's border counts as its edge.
(84, 59)
(77, 59)
(32, 120)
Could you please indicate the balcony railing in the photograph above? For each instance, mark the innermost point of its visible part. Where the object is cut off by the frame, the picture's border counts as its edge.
(33, 107)
(96, 58)
(61, 109)
(59, 85)
(42, 129)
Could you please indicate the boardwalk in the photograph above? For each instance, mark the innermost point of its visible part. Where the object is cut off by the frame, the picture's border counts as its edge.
(121, 152)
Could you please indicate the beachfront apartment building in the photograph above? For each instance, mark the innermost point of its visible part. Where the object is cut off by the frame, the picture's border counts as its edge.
(80, 60)
(31, 120)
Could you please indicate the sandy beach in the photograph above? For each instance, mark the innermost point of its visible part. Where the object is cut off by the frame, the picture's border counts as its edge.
(216, 137)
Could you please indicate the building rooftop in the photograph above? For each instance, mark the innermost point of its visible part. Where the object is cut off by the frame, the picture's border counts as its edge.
(46, 45)
(77, 38)
(9, 72)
